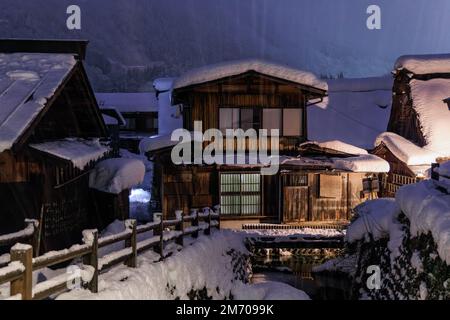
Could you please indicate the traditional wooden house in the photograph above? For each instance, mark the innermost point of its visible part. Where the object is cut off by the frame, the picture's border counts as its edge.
(51, 136)
(315, 182)
(419, 125)
(138, 110)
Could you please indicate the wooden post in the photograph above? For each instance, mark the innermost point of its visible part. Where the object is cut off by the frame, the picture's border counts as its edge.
(180, 227)
(217, 211)
(195, 224)
(24, 286)
(92, 260)
(34, 242)
(161, 239)
(132, 225)
(208, 230)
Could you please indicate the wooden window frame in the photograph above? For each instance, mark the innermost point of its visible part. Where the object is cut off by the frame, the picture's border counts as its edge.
(260, 194)
(259, 111)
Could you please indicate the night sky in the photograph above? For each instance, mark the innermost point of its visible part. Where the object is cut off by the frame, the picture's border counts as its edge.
(134, 40)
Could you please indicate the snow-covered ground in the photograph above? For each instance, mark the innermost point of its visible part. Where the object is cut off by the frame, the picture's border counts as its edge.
(207, 263)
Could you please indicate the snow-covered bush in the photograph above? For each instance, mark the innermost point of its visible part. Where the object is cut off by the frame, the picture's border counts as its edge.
(409, 239)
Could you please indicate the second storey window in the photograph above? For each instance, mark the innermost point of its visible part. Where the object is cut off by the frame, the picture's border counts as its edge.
(239, 118)
(288, 120)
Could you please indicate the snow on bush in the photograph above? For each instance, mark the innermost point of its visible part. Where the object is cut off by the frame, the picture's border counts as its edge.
(428, 209)
(374, 220)
(215, 267)
(409, 238)
(115, 175)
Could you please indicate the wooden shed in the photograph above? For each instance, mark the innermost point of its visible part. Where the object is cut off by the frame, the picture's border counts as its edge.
(51, 135)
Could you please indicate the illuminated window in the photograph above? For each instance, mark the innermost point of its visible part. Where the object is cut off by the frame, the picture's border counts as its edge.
(240, 194)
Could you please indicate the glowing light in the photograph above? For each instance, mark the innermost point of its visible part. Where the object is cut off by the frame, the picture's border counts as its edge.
(140, 195)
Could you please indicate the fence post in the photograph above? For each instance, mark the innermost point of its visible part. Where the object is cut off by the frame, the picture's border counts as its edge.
(24, 285)
(208, 230)
(132, 225)
(35, 238)
(180, 227)
(195, 223)
(161, 239)
(217, 211)
(92, 260)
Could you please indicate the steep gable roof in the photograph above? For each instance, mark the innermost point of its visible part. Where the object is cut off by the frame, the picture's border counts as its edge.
(27, 82)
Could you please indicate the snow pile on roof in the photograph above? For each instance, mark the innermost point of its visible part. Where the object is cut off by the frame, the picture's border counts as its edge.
(206, 264)
(428, 210)
(128, 102)
(115, 175)
(233, 68)
(160, 142)
(433, 112)
(375, 219)
(78, 151)
(405, 150)
(341, 147)
(356, 111)
(362, 163)
(27, 81)
(424, 64)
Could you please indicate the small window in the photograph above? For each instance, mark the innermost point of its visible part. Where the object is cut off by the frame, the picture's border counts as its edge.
(330, 186)
(228, 118)
(250, 119)
(292, 122)
(272, 119)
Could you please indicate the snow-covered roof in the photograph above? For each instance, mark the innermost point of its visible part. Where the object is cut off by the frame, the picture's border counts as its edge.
(78, 151)
(356, 111)
(128, 102)
(362, 163)
(115, 175)
(405, 150)
(27, 82)
(234, 68)
(159, 142)
(340, 146)
(433, 113)
(424, 64)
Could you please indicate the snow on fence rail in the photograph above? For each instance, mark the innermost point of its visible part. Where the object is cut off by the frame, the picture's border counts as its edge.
(28, 235)
(19, 272)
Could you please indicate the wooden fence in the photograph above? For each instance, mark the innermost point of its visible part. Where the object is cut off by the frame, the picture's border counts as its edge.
(391, 183)
(20, 269)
